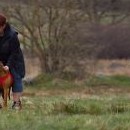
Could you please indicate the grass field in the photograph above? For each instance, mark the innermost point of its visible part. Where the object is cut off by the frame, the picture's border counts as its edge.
(62, 105)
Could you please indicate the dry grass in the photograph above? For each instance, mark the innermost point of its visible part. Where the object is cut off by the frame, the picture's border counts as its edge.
(113, 67)
(103, 67)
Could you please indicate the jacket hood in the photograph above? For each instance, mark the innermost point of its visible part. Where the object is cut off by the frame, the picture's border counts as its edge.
(9, 31)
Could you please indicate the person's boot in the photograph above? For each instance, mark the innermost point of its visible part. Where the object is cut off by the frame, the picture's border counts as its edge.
(17, 105)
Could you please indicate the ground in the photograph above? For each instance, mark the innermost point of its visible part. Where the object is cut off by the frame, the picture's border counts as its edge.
(55, 104)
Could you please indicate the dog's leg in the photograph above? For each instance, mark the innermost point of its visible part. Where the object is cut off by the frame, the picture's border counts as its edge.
(5, 97)
(9, 92)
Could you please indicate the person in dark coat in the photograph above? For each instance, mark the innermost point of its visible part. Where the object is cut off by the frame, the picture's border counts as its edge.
(12, 58)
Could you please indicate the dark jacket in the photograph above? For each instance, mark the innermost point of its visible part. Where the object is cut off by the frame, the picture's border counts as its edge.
(10, 51)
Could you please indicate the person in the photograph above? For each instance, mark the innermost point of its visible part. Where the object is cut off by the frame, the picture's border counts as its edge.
(12, 57)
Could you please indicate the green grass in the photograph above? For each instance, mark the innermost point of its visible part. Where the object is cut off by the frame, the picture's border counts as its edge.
(58, 113)
(68, 112)
(48, 82)
(117, 80)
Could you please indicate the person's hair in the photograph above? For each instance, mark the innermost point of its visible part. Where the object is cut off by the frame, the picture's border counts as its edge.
(2, 19)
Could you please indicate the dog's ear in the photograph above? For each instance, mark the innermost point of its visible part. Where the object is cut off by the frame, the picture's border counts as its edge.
(1, 64)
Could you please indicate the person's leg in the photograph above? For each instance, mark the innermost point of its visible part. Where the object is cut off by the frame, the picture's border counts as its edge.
(17, 90)
(16, 96)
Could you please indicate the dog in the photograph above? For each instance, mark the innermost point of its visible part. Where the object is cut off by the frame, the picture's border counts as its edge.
(6, 81)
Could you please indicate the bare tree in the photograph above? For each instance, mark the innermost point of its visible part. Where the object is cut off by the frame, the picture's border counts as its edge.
(47, 29)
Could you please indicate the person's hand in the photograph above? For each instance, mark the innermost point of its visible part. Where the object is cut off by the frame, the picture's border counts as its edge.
(6, 68)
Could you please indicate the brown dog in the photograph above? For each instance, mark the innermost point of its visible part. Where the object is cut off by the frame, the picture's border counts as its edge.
(6, 81)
